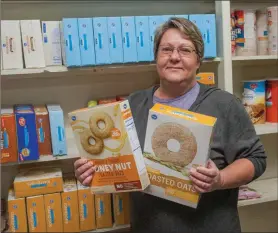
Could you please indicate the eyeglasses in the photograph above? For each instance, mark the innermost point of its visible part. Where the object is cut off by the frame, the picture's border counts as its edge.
(183, 51)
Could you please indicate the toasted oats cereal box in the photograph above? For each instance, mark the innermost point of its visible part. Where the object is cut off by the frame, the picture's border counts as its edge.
(70, 206)
(32, 182)
(103, 210)
(176, 140)
(53, 212)
(36, 214)
(86, 201)
(17, 213)
(121, 208)
(106, 135)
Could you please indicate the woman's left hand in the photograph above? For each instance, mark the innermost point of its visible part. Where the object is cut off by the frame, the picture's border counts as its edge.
(206, 179)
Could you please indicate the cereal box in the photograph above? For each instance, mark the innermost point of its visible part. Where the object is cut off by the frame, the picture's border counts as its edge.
(27, 142)
(8, 136)
(17, 213)
(53, 212)
(176, 140)
(38, 181)
(86, 201)
(206, 78)
(121, 208)
(106, 135)
(70, 206)
(43, 130)
(103, 210)
(36, 214)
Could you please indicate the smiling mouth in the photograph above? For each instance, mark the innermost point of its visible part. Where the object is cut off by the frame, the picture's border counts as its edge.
(174, 68)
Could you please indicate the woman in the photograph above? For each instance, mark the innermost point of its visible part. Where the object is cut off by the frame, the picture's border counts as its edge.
(237, 155)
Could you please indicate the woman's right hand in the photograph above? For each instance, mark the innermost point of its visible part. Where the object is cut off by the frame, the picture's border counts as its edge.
(84, 171)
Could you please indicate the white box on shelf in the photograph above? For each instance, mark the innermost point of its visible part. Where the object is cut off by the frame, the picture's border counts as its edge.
(32, 43)
(52, 43)
(11, 45)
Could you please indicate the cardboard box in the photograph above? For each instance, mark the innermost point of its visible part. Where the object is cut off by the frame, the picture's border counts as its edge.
(206, 78)
(176, 140)
(52, 43)
(8, 136)
(17, 213)
(43, 130)
(27, 143)
(129, 39)
(116, 152)
(32, 182)
(121, 208)
(154, 22)
(70, 41)
(32, 43)
(101, 40)
(210, 36)
(207, 26)
(70, 206)
(86, 37)
(103, 210)
(57, 129)
(143, 36)
(115, 39)
(53, 212)
(86, 201)
(36, 214)
(11, 45)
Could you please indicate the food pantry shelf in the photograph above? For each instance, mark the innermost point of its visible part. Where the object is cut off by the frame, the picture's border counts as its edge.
(266, 128)
(267, 188)
(62, 70)
(122, 228)
(248, 58)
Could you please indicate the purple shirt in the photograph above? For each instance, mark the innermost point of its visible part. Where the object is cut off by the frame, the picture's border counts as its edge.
(185, 101)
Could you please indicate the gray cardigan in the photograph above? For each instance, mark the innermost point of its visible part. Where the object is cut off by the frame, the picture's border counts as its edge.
(234, 138)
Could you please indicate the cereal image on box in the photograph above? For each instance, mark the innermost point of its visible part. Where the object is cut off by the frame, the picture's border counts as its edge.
(176, 140)
(106, 135)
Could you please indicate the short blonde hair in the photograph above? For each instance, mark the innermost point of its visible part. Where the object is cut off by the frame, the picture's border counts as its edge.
(187, 28)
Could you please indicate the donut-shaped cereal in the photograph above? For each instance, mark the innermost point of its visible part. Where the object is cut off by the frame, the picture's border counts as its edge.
(106, 119)
(95, 149)
(188, 144)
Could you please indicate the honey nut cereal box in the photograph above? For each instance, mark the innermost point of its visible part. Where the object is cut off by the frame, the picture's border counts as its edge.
(176, 140)
(107, 137)
(32, 182)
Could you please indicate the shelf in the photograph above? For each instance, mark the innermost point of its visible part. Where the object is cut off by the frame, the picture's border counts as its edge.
(255, 58)
(80, 71)
(267, 188)
(122, 228)
(267, 128)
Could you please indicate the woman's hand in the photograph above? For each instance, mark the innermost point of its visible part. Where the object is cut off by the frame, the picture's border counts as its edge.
(84, 171)
(206, 179)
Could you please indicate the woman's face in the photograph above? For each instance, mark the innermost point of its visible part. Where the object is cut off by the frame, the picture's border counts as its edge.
(174, 66)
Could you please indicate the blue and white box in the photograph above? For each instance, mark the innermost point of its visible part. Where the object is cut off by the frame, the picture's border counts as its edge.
(206, 25)
(57, 129)
(101, 40)
(143, 38)
(86, 38)
(129, 39)
(210, 36)
(154, 22)
(115, 39)
(164, 18)
(182, 16)
(52, 43)
(71, 42)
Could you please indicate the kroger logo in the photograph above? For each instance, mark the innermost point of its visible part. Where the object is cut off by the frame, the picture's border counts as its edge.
(154, 116)
(73, 118)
